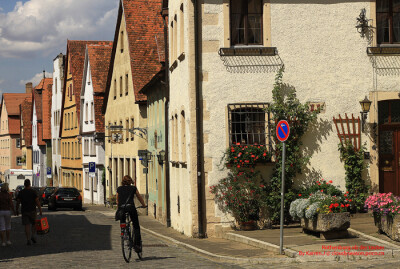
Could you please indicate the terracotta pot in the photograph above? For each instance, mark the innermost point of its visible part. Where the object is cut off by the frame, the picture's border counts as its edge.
(248, 225)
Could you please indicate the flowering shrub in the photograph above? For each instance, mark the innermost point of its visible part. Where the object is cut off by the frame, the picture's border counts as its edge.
(317, 203)
(323, 186)
(383, 204)
(240, 194)
(247, 155)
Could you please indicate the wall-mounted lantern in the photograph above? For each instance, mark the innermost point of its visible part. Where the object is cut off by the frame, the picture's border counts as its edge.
(161, 157)
(365, 107)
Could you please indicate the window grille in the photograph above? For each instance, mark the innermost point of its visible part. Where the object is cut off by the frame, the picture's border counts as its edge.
(249, 124)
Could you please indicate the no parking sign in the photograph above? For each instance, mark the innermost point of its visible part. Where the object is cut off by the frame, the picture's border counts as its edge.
(282, 134)
(282, 130)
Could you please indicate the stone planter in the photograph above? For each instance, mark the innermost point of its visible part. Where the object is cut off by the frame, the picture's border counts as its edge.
(388, 225)
(330, 226)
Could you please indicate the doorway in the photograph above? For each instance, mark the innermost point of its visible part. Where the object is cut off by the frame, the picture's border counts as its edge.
(389, 146)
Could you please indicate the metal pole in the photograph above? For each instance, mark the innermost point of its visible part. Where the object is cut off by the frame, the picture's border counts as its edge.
(282, 195)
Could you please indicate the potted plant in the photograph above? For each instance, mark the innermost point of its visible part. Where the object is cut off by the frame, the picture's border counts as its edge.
(241, 195)
(322, 213)
(385, 208)
(239, 155)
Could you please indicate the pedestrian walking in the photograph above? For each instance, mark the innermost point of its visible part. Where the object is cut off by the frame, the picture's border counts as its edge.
(6, 206)
(29, 200)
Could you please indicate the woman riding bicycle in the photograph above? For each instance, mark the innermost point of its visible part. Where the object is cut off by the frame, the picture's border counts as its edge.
(125, 194)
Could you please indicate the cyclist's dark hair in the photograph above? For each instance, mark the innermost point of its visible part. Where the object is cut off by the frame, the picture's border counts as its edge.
(127, 180)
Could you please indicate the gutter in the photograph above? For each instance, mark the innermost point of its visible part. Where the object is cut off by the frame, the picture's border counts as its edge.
(164, 14)
(199, 123)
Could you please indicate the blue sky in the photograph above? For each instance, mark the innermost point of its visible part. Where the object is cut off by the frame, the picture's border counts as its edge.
(34, 32)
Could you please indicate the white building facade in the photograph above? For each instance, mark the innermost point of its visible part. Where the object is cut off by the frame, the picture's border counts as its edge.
(38, 152)
(327, 59)
(92, 123)
(56, 101)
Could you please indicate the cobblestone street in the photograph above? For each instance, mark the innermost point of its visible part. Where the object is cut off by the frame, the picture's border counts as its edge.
(90, 239)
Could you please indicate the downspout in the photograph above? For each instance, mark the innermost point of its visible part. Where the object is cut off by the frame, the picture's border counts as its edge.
(199, 123)
(164, 14)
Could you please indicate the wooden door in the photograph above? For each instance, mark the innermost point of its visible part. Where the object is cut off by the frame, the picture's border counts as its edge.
(389, 146)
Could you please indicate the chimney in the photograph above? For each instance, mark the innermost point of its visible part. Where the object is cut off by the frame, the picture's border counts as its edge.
(28, 87)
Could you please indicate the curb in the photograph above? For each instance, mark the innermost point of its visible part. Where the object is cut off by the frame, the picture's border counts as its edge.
(370, 237)
(260, 244)
(215, 257)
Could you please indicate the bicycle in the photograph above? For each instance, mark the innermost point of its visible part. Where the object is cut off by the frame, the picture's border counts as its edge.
(127, 236)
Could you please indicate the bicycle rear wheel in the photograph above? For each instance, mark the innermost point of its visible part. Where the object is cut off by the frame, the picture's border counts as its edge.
(126, 244)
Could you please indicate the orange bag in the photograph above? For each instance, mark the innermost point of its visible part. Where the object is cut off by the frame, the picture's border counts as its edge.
(42, 226)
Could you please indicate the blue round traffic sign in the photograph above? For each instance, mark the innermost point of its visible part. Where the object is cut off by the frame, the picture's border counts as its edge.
(282, 130)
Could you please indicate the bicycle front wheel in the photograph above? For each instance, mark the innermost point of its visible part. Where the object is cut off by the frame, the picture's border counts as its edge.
(126, 244)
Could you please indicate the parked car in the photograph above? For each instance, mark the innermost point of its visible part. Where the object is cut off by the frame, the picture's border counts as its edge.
(17, 190)
(65, 198)
(46, 193)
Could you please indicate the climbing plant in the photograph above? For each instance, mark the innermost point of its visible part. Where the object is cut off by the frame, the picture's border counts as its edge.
(287, 106)
(354, 165)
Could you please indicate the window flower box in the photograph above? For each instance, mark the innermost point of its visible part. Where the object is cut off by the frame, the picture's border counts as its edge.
(238, 156)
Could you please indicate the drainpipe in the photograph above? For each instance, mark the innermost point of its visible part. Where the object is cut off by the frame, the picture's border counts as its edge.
(164, 14)
(199, 123)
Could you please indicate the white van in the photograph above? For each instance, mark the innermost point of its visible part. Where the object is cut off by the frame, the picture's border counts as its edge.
(15, 177)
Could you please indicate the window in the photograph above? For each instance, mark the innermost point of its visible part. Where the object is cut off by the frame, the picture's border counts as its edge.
(120, 86)
(132, 126)
(388, 21)
(86, 112)
(86, 147)
(55, 86)
(54, 146)
(17, 143)
(181, 27)
(91, 112)
(115, 89)
(92, 148)
(86, 180)
(122, 41)
(76, 121)
(59, 146)
(70, 92)
(19, 161)
(126, 84)
(183, 136)
(248, 124)
(127, 129)
(246, 22)
(172, 41)
(175, 36)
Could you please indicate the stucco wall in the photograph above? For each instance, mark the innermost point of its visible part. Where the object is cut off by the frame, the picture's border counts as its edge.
(119, 110)
(325, 59)
(55, 117)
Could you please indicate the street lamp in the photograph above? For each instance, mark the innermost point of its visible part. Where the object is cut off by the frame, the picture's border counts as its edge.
(161, 157)
(365, 107)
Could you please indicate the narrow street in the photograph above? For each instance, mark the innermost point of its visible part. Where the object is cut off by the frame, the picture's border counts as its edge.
(90, 239)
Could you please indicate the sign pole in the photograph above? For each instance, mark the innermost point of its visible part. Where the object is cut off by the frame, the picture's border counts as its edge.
(282, 134)
(282, 195)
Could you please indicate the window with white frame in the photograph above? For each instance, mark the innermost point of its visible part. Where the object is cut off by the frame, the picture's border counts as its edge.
(91, 112)
(92, 148)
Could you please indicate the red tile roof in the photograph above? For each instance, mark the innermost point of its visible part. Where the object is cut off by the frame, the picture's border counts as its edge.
(143, 24)
(45, 86)
(76, 54)
(144, 27)
(12, 102)
(26, 115)
(99, 57)
(13, 125)
(37, 101)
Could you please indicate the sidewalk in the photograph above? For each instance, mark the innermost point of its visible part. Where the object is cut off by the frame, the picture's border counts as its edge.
(262, 246)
